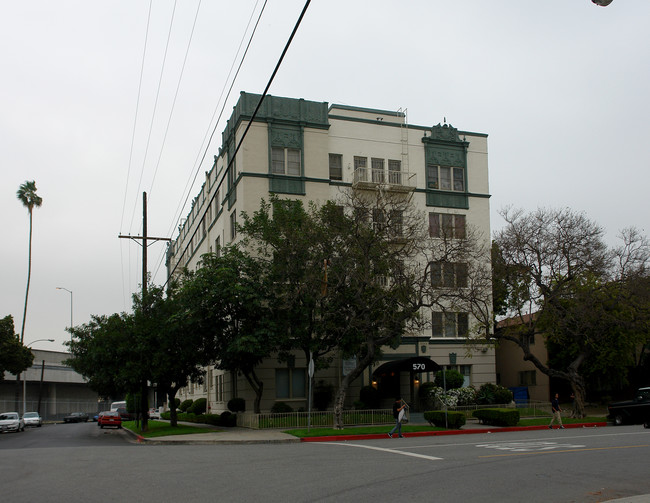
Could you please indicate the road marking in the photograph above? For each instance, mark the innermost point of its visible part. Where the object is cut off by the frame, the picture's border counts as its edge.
(529, 446)
(567, 450)
(392, 451)
(590, 435)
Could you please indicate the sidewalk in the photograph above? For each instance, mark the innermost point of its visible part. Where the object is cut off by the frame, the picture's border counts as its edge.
(239, 435)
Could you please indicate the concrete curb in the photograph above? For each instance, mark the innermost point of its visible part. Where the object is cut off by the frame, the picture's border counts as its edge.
(242, 436)
(496, 429)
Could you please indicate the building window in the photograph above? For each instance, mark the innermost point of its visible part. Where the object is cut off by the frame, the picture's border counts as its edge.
(285, 161)
(527, 378)
(448, 274)
(449, 324)
(378, 220)
(445, 178)
(233, 225)
(217, 246)
(360, 168)
(394, 172)
(290, 383)
(218, 388)
(446, 225)
(336, 167)
(377, 170)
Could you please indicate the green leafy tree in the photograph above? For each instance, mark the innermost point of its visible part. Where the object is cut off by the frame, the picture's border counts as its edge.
(14, 357)
(226, 305)
(294, 246)
(564, 282)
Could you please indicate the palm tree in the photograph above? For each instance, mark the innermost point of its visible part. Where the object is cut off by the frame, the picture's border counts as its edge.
(27, 195)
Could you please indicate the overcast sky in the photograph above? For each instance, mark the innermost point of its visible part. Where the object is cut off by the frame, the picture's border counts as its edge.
(560, 86)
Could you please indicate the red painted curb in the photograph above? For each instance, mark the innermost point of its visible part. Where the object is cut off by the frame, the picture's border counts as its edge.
(496, 429)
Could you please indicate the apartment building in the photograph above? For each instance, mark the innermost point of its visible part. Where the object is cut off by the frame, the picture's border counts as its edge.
(312, 151)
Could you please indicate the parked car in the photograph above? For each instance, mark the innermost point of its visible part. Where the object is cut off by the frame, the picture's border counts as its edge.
(76, 417)
(109, 418)
(631, 411)
(126, 416)
(154, 413)
(32, 419)
(11, 421)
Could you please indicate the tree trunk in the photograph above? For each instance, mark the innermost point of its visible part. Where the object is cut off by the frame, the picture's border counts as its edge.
(339, 400)
(144, 406)
(579, 393)
(29, 275)
(171, 400)
(258, 388)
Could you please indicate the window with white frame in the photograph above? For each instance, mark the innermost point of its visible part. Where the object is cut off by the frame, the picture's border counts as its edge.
(445, 178)
(218, 388)
(290, 383)
(377, 170)
(285, 161)
(336, 167)
(394, 172)
(449, 324)
(361, 168)
(447, 225)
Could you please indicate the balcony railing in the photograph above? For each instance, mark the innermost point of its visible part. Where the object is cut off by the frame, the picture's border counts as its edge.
(367, 178)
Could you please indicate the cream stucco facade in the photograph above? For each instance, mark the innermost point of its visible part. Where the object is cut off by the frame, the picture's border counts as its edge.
(444, 170)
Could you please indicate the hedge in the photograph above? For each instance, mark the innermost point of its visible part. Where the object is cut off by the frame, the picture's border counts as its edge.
(497, 417)
(437, 418)
(224, 419)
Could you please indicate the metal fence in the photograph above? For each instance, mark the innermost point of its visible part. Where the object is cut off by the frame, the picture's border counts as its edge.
(54, 410)
(317, 419)
(529, 408)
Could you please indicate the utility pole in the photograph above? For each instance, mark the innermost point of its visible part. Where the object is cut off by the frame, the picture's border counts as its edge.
(144, 238)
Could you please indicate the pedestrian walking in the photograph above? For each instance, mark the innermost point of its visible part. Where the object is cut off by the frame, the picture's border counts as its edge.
(398, 414)
(557, 412)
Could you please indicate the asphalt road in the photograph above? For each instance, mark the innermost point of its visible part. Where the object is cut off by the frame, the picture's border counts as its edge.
(80, 462)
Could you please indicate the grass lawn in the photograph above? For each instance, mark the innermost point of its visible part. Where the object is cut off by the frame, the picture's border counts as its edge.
(358, 430)
(163, 429)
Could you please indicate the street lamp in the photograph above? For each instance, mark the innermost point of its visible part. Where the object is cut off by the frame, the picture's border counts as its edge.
(70, 292)
(25, 376)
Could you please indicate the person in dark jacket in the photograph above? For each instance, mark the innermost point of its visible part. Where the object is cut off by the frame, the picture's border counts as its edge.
(398, 406)
(557, 412)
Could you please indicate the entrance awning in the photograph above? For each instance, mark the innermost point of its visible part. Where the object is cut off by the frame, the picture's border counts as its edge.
(413, 364)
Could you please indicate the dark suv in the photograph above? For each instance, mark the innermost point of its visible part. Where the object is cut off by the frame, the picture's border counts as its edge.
(631, 411)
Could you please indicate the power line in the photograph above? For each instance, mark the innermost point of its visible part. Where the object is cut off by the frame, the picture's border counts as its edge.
(188, 185)
(171, 112)
(248, 126)
(135, 121)
(153, 115)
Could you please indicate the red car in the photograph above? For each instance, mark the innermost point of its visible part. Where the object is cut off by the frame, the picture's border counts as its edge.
(109, 418)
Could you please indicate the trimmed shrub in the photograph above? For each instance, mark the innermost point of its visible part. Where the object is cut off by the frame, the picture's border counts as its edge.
(370, 397)
(491, 393)
(198, 407)
(453, 378)
(425, 389)
(185, 404)
(237, 405)
(177, 401)
(227, 419)
(281, 407)
(497, 417)
(437, 418)
(323, 394)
